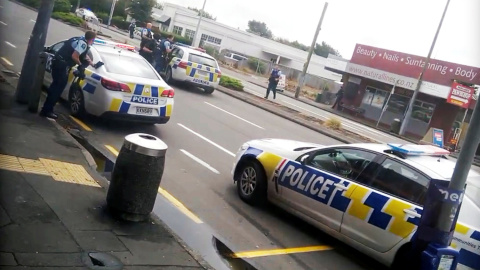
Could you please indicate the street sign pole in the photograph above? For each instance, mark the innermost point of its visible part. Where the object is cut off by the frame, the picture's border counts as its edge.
(301, 81)
(111, 13)
(194, 41)
(386, 104)
(35, 46)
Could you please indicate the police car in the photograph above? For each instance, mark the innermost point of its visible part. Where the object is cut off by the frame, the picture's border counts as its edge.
(369, 196)
(126, 87)
(194, 66)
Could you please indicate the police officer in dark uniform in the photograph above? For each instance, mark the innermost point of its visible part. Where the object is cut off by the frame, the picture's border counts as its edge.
(73, 52)
(273, 81)
(146, 49)
(164, 47)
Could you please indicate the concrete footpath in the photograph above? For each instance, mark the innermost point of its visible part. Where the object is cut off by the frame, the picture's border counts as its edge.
(53, 205)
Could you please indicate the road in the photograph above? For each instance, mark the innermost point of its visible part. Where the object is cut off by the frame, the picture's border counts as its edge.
(204, 133)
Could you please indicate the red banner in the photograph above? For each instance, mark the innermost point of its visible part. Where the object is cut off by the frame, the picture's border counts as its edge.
(460, 95)
(439, 72)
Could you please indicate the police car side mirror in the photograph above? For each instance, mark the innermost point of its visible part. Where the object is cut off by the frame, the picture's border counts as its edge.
(304, 159)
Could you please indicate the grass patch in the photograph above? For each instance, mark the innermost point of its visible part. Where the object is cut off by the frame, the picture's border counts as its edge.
(231, 83)
(333, 123)
(68, 18)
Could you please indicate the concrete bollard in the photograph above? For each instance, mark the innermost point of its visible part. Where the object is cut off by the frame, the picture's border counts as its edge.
(36, 89)
(136, 177)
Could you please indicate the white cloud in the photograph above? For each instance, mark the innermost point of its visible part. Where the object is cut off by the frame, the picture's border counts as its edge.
(401, 25)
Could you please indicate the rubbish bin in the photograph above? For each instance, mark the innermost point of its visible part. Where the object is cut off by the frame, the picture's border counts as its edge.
(136, 177)
(318, 98)
(395, 126)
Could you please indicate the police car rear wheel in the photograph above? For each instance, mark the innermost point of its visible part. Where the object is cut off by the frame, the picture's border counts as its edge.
(75, 98)
(251, 185)
(209, 90)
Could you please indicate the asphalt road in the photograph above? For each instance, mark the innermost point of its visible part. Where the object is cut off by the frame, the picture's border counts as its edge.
(204, 133)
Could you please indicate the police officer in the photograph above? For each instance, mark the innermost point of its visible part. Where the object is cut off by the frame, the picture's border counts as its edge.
(164, 47)
(146, 37)
(73, 52)
(273, 81)
(131, 28)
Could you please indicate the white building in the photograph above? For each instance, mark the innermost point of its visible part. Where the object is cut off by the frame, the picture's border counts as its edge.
(183, 21)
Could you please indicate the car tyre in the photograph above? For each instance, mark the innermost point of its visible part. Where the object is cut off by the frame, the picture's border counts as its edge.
(209, 90)
(168, 76)
(252, 183)
(76, 101)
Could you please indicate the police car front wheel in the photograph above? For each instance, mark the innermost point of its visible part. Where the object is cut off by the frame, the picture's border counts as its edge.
(251, 184)
(76, 101)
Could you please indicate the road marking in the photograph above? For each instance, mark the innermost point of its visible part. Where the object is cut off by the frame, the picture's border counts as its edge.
(283, 251)
(3, 23)
(33, 20)
(79, 122)
(307, 110)
(179, 205)
(6, 61)
(254, 93)
(207, 140)
(10, 44)
(206, 165)
(238, 117)
(112, 149)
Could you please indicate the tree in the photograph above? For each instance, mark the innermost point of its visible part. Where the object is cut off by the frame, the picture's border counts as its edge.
(259, 28)
(141, 10)
(158, 5)
(325, 49)
(204, 13)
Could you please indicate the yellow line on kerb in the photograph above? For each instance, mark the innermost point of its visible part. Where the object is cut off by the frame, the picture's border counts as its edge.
(112, 149)
(80, 123)
(167, 195)
(179, 205)
(281, 251)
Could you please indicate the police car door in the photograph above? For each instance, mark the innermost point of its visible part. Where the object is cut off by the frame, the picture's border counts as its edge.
(385, 207)
(317, 182)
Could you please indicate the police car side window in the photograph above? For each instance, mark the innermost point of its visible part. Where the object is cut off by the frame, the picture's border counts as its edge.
(348, 163)
(400, 180)
(180, 53)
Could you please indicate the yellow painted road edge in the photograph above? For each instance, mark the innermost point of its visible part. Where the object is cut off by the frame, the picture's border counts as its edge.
(167, 195)
(281, 251)
(80, 123)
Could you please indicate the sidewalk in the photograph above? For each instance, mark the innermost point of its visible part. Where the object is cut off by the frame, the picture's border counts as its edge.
(53, 209)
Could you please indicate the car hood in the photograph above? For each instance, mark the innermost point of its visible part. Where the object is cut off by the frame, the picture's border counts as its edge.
(282, 147)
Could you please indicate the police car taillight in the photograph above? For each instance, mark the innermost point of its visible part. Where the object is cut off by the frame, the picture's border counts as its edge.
(182, 64)
(168, 93)
(114, 85)
(219, 74)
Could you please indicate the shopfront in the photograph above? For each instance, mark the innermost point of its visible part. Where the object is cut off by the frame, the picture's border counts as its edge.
(379, 80)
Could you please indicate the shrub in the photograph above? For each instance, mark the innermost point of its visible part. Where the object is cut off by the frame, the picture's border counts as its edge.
(333, 123)
(231, 83)
(102, 16)
(254, 63)
(119, 22)
(68, 18)
(62, 6)
(176, 38)
(32, 3)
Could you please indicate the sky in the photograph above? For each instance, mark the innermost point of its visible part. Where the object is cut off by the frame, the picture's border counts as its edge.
(406, 26)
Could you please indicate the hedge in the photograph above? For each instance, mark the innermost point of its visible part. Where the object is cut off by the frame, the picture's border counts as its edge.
(176, 38)
(68, 17)
(59, 6)
(231, 83)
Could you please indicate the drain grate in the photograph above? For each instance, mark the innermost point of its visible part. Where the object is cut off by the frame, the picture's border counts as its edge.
(101, 261)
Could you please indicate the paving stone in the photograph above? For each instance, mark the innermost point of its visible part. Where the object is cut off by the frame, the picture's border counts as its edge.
(7, 259)
(49, 259)
(99, 241)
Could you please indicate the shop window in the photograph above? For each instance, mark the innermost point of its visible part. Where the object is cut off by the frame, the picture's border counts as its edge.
(211, 39)
(398, 104)
(423, 111)
(189, 33)
(375, 97)
(177, 30)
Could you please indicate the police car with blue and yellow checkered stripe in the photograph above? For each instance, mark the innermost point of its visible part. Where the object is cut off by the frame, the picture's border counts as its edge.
(369, 196)
(192, 65)
(126, 87)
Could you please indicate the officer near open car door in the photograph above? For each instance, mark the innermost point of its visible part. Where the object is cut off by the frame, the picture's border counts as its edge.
(164, 48)
(73, 52)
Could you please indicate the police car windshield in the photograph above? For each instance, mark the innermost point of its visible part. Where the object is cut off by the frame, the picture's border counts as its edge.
(131, 66)
(202, 60)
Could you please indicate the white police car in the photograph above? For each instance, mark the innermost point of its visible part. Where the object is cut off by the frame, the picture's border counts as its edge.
(369, 196)
(193, 66)
(127, 87)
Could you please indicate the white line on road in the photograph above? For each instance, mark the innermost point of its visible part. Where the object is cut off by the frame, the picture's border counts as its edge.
(10, 44)
(6, 61)
(206, 165)
(207, 140)
(305, 109)
(33, 20)
(3, 23)
(246, 121)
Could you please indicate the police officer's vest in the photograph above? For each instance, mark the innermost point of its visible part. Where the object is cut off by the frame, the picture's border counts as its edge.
(67, 50)
(143, 41)
(275, 73)
(163, 49)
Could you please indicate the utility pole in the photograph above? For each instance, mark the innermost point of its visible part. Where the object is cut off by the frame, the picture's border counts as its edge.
(194, 43)
(406, 119)
(35, 46)
(111, 13)
(305, 66)
(78, 5)
(386, 104)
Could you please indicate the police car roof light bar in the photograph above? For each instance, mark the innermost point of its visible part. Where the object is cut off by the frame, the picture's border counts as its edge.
(113, 44)
(418, 150)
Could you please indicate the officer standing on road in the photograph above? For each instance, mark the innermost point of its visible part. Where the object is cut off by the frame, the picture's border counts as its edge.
(73, 52)
(273, 81)
(164, 47)
(147, 37)
(131, 27)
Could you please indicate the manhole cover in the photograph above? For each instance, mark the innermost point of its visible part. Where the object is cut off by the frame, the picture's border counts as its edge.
(100, 260)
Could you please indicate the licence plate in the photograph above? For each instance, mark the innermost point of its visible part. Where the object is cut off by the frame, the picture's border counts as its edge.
(202, 73)
(144, 111)
(201, 81)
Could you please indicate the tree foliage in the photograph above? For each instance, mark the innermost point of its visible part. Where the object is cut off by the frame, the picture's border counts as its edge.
(259, 28)
(203, 13)
(141, 10)
(324, 49)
